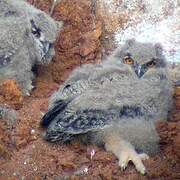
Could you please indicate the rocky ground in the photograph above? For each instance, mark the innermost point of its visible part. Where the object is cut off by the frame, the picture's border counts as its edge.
(23, 152)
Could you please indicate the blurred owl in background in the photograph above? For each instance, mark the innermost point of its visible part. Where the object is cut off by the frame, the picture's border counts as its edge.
(115, 103)
(26, 38)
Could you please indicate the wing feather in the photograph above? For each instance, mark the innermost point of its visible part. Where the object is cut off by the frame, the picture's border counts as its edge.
(53, 112)
(64, 127)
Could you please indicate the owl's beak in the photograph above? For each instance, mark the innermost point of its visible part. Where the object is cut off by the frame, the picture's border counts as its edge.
(139, 70)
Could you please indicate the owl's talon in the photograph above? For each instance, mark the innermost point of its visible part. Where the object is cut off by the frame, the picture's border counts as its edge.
(123, 160)
(143, 171)
(27, 94)
(140, 168)
(123, 166)
(131, 155)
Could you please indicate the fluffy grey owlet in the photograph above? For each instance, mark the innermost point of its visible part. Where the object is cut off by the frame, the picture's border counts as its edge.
(115, 103)
(26, 38)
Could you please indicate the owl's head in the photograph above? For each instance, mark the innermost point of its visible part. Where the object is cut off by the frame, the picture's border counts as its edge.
(43, 31)
(140, 58)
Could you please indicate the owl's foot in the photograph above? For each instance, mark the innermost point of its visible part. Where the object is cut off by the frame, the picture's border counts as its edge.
(130, 155)
(125, 152)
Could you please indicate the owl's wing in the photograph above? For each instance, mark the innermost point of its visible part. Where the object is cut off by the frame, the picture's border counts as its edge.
(91, 111)
(66, 123)
(86, 112)
(73, 87)
(71, 107)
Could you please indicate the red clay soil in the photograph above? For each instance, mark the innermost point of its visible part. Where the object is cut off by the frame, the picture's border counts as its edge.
(11, 94)
(23, 152)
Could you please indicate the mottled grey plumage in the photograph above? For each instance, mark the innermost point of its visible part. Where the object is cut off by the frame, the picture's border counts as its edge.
(26, 38)
(114, 99)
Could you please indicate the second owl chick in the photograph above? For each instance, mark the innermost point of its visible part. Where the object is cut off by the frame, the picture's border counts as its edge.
(26, 38)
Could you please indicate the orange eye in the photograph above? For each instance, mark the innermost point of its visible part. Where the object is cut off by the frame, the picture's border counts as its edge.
(128, 60)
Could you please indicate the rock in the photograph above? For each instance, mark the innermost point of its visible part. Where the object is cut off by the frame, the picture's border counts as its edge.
(89, 41)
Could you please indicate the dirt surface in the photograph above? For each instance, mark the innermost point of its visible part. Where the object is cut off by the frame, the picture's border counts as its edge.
(10, 94)
(23, 152)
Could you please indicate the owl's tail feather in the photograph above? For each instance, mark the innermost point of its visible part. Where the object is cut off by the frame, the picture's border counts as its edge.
(53, 112)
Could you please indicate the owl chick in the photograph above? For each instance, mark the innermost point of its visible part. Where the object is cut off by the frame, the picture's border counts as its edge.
(115, 103)
(26, 38)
